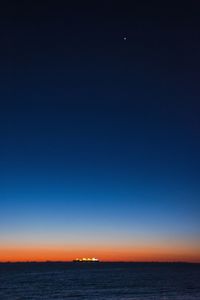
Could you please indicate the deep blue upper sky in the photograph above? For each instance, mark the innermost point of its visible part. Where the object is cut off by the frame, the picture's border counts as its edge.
(91, 120)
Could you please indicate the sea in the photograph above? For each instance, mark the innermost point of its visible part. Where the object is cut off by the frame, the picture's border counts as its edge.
(99, 281)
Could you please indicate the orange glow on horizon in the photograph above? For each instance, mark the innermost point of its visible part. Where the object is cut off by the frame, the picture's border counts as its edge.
(160, 254)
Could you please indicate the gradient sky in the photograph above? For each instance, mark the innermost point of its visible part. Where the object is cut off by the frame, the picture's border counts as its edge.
(100, 136)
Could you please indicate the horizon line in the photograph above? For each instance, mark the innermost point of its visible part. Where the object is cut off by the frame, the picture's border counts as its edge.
(101, 261)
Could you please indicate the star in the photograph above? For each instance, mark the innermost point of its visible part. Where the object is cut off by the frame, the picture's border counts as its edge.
(125, 38)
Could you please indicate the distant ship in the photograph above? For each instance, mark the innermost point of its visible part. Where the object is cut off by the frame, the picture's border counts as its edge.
(93, 259)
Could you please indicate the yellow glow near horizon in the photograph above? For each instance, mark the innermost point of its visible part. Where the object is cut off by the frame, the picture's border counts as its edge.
(187, 253)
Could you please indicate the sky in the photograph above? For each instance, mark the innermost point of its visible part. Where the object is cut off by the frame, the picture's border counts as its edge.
(100, 131)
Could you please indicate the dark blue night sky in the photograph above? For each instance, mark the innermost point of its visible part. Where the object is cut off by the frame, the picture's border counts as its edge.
(100, 135)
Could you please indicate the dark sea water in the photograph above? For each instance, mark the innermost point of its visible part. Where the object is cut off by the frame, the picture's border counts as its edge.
(95, 281)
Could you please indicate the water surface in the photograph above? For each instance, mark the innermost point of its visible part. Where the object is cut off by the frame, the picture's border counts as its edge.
(99, 281)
